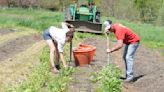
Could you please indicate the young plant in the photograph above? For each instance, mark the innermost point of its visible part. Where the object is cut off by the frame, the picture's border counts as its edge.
(108, 79)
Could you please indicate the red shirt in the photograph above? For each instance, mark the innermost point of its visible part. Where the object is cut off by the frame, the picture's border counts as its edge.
(123, 33)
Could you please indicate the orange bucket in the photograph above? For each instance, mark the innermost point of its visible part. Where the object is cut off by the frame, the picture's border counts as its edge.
(83, 55)
(90, 48)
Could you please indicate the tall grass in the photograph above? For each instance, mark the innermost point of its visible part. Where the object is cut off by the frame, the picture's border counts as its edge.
(36, 19)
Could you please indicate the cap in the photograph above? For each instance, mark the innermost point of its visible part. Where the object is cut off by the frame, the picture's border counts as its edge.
(107, 24)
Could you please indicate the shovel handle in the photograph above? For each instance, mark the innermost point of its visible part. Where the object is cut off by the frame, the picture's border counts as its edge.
(70, 53)
(107, 44)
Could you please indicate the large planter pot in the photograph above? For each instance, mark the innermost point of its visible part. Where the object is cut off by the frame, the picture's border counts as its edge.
(83, 55)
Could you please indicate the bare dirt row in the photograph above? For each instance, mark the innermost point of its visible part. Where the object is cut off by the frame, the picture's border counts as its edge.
(18, 54)
(148, 70)
(81, 78)
(6, 31)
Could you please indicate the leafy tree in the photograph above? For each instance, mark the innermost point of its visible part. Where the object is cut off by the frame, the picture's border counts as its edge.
(122, 9)
(148, 9)
(160, 20)
(126, 10)
(108, 7)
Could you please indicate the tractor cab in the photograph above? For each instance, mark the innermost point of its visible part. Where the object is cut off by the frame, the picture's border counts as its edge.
(84, 18)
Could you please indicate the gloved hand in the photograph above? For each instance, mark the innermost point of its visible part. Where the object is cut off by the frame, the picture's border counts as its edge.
(71, 26)
(108, 50)
(107, 31)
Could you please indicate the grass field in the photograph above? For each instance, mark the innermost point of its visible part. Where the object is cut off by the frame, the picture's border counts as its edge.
(35, 19)
(151, 35)
(38, 20)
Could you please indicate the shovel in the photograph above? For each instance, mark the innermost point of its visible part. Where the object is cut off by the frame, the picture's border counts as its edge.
(70, 58)
(107, 44)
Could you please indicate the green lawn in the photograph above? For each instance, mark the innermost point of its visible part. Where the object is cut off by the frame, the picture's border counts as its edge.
(39, 20)
(35, 19)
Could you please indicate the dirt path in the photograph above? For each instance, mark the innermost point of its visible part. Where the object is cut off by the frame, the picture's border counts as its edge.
(13, 34)
(81, 82)
(5, 31)
(148, 69)
(18, 54)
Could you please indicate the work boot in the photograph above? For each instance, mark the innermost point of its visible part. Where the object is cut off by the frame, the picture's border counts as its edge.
(128, 80)
(57, 67)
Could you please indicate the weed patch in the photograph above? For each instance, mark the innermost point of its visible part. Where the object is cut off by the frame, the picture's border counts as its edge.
(108, 79)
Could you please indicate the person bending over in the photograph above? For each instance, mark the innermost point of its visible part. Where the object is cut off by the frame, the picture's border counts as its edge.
(131, 40)
(56, 38)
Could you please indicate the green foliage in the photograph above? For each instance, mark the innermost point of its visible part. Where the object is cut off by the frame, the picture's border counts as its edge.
(108, 79)
(60, 82)
(31, 18)
(49, 4)
(41, 80)
(148, 9)
(160, 20)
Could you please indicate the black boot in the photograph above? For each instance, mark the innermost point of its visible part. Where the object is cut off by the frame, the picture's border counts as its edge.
(57, 67)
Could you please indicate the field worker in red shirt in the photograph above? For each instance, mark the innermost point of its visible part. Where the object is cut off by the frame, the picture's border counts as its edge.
(56, 38)
(131, 40)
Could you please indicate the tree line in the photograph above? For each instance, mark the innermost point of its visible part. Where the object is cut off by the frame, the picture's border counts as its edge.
(147, 11)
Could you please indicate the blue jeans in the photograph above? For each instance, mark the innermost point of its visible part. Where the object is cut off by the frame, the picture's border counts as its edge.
(128, 57)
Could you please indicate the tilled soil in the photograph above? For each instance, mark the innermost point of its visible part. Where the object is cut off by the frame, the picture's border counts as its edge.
(82, 82)
(148, 69)
(6, 31)
(17, 45)
(17, 55)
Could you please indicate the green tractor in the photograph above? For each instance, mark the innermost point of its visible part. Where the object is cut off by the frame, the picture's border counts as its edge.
(85, 18)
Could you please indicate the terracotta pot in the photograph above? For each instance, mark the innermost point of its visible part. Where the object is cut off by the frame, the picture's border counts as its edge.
(83, 55)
